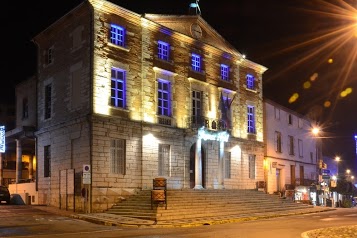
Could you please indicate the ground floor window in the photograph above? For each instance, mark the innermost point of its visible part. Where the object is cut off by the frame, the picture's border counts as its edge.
(117, 157)
(227, 164)
(252, 166)
(164, 160)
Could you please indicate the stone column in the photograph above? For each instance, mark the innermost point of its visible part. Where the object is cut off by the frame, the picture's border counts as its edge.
(221, 165)
(31, 167)
(18, 160)
(198, 165)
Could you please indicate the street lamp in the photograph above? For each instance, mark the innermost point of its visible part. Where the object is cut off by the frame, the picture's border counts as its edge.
(337, 159)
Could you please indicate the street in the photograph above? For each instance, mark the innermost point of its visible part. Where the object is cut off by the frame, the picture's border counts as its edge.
(27, 221)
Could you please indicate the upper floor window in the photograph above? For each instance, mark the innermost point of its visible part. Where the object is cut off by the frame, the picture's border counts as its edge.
(250, 82)
(290, 119)
(196, 104)
(291, 145)
(300, 145)
(163, 50)
(117, 35)
(224, 72)
(278, 141)
(25, 108)
(196, 62)
(118, 87)
(251, 119)
(118, 156)
(47, 161)
(49, 55)
(48, 101)
(164, 98)
(277, 113)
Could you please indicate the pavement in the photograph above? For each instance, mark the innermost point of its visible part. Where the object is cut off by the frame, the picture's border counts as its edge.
(116, 220)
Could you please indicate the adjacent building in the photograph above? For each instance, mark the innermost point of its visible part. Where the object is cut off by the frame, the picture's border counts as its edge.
(291, 152)
(123, 98)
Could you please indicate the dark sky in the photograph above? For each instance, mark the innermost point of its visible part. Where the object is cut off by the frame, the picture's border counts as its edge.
(294, 39)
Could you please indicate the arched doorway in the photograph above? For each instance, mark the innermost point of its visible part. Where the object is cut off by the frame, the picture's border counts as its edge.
(192, 166)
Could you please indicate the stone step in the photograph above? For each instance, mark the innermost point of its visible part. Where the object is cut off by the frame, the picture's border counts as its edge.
(187, 204)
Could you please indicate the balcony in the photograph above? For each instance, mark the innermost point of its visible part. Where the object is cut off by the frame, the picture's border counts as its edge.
(195, 122)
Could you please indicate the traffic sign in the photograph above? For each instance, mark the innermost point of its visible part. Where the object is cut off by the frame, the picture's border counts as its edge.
(326, 176)
(325, 171)
(86, 178)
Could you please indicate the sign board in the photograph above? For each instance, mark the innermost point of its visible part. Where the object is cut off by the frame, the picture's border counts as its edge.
(326, 176)
(2, 139)
(325, 171)
(86, 168)
(86, 178)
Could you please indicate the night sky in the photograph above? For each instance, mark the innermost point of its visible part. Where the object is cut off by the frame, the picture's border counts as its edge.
(309, 46)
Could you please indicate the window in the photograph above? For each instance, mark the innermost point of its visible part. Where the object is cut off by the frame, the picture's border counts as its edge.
(250, 82)
(76, 96)
(163, 98)
(300, 146)
(252, 166)
(25, 108)
(118, 156)
(251, 119)
(118, 88)
(164, 160)
(301, 123)
(290, 119)
(196, 105)
(227, 164)
(117, 35)
(225, 72)
(47, 161)
(311, 157)
(48, 101)
(49, 56)
(291, 145)
(278, 141)
(163, 50)
(277, 113)
(196, 62)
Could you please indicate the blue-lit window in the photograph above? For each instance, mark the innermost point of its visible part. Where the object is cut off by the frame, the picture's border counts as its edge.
(163, 50)
(164, 98)
(250, 82)
(118, 87)
(225, 72)
(251, 119)
(196, 62)
(117, 35)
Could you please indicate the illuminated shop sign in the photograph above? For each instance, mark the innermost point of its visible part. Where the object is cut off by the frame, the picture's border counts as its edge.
(218, 136)
(2, 139)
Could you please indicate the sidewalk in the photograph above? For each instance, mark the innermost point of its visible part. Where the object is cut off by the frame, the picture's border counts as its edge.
(332, 232)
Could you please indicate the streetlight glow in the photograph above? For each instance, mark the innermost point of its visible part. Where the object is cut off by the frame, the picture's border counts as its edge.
(315, 131)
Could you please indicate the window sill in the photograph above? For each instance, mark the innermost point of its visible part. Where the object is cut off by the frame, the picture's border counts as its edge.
(118, 47)
(171, 62)
(251, 90)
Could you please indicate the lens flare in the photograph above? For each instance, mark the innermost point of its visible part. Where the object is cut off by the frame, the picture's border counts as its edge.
(293, 98)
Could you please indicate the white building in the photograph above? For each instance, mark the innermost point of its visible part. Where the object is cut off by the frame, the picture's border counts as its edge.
(290, 149)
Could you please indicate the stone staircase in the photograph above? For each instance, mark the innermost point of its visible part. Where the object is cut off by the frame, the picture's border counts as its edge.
(194, 204)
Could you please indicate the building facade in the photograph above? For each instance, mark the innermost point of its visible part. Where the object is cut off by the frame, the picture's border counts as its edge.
(290, 149)
(123, 98)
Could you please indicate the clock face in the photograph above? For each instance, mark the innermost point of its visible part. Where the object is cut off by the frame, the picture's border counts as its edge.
(196, 31)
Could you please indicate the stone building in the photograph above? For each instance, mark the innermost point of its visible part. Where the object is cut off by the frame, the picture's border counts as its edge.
(291, 151)
(123, 98)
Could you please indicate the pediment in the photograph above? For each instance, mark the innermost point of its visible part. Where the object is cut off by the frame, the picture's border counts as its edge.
(195, 27)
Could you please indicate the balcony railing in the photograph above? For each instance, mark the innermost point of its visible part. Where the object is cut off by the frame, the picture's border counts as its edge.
(195, 122)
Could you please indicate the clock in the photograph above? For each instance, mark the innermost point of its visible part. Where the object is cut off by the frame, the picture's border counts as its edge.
(196, 31)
